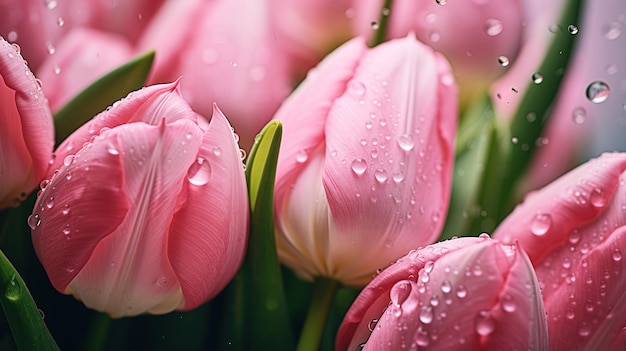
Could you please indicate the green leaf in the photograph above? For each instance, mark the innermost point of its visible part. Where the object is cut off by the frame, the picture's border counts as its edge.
(28, 328)
(105, 91)
(259, 285)
(536, 103)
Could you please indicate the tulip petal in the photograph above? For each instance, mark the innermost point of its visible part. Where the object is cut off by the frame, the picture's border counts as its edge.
(26, 123)
(206, 244)
(547, 217)
(395, 150)
(129, 271)
(81, 57)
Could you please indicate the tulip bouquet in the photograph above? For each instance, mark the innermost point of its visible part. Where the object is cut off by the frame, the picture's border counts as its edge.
(280, 175)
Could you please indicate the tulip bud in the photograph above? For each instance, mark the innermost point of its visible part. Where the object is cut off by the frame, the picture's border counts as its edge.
(573, 232)
(471, 34)
(468, 293)
(26, 130)
(147, 210)
(365, 165)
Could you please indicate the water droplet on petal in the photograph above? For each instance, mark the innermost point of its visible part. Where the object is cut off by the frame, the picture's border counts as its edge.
(461, 292)
(579, 115)
(493, 27)
(426, 314)
(446, 286)
(356, 88)
(380, 175)
(34, 221)
(537, 78)
(217, 151)
(572, 29)
(405, 142)
(400, 292)
(541, 224)
(301, 156)
(612, 30)
(598, 198)
(617, 255)
(67, 230)
(359, 166)
(50, 4)
(508, 304)
(503, 61)
(441, 2)
(485, 324)
(597, 92)
(372, 324)
(60, 22)
(67, 161)
(199, 172)
(50, 202)
(66, 209)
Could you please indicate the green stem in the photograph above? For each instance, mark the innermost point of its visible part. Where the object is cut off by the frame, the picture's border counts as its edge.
(381, 31)
(323, 297)
(98, 332)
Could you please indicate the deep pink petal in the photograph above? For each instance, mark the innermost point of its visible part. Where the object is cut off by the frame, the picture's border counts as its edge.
(209, 233)
(547, 217)
(26, 127)
(129, 271)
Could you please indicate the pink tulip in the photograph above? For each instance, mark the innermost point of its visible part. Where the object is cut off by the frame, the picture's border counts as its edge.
(83, 56)
(471, 34)
(147, 210)
(26, 130)
(365, 164)
(40, 25)
(573, 232)
(228, 54)
(462, 294)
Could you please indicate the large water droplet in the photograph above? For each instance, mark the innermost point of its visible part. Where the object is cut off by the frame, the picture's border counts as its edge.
(199, 172)
(372, 324)
(485, 324)
(301, 156)
(356, 88)
(537, 78)
(359, 166)
(503, 61)
(461, 292)
(617, 255)
(598, 198)
(67, 161)
(381, 175)
(493, 27)
(508, 304)
(33, 221)
(541, 224)
(598, 91)
(426, 314)
(446, 286)
(50, 202)
(579, 115)
(572, 29)
(405, 142)
(400, 292)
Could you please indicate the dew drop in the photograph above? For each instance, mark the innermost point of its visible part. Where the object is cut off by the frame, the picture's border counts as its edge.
(503, 60)
(541, 224)
(579, 115)
(50, 48)
(397, 177)
(537, 78)
(359, 166)
(67, 230)
(381, 175)
(161, 281)
(400, 292)
(597, 198)
(34, 221)
(374, 25)
(199, 172)
(493, 27)
(508, 304)
(572, 29)
(597, 92)
(217, 151)
(301, 156)
(356, 88)
(446, 286)
(405, 142)
(441, 2)
(60, 22)
(461, 292)
(68, 160)
(368, 125)
(426, 314)
(50, 4)
(112, 150)
(372, 324)
(50, 202)
(43, 184)
(584, 329)
(485, 324)
(612, 30)
(617, 255)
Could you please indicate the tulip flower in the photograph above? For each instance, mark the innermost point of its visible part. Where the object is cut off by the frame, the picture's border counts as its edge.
(147, 210)
(471, 34)
(573, 232)
(26, 130)
(227, 52)
(40, 25)
(468, 293)
(81, 57)
(365, 164)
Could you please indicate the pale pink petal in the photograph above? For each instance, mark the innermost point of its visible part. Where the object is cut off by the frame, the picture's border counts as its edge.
(80, 58)
(208, 234)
